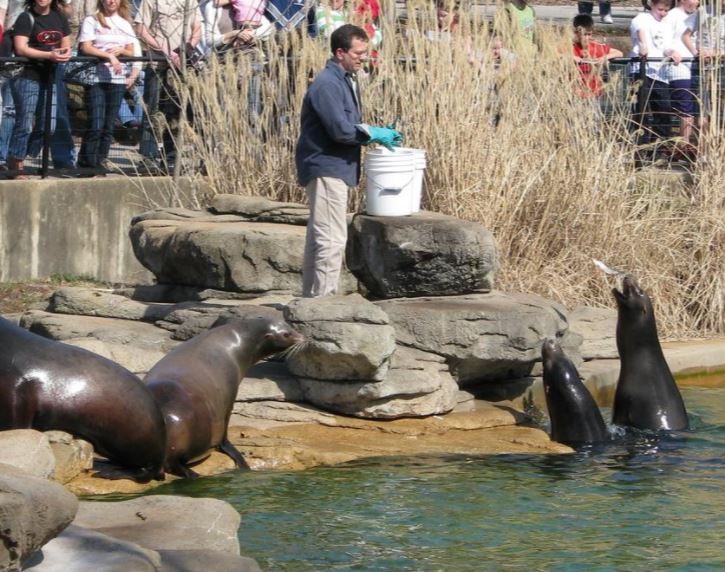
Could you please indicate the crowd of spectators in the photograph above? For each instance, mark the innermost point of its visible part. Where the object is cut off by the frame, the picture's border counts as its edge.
(179, 31)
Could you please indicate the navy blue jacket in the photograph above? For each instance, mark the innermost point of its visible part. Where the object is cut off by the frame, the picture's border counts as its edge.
(329, 143)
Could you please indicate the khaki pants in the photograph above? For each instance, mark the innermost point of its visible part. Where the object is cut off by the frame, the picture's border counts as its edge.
(326, 236)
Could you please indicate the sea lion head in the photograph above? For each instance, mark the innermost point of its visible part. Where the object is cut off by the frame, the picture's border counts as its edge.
(631, 297)
(558, 368)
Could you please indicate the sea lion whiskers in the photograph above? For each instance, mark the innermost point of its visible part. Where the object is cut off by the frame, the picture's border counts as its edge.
(293, 349)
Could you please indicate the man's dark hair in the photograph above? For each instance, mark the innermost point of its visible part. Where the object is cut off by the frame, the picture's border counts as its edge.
(342, 37)
(584, 21)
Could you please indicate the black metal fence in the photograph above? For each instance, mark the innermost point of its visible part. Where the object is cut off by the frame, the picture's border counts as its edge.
(59, 120)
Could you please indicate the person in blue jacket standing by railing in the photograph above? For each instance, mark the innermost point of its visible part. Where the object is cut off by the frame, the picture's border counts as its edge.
(328, 156)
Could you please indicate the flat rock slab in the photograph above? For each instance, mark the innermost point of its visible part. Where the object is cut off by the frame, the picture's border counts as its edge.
(205, 561)
(259, 209)
(485, 430)
(105, 304)
(63, 327)
(269, 381)
(302, 437)
(82, 550)
(236, 256)
(483, 337)
(166, 522)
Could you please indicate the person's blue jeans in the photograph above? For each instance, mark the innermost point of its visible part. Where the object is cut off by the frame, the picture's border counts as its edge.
(605, 8)
(102, 101)
(149, 146)
(62, 147)
(158, 95)
(26, 94)
(133, 113)
(8, 119)
(28, 132)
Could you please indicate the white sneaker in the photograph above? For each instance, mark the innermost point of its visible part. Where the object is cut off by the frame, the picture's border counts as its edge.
(607, 19)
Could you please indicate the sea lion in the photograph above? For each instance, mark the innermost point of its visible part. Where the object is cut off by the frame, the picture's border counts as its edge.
(196, 384)
(647, 396)
(575, 417)
(48, 385)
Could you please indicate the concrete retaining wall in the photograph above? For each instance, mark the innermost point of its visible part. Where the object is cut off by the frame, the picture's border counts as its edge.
(75, 227)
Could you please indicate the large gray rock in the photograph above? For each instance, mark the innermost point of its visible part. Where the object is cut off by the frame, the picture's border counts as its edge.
(269, 381)
(238, 256)
(105, 304)
(28, 450)
(185, 323)
(166, 522)
(135, 359)
(64, 327)
(263, 414)
(598, 328)
(259, 209)
(82, 550)
(348, 338)
(72, 456)
(32, 511)
(183, 214)
(416, 385)
(483, 337)
(205, 561)
(427, 254)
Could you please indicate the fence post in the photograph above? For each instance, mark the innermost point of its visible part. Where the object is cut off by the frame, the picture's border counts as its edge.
(48, 119)
(642, 92)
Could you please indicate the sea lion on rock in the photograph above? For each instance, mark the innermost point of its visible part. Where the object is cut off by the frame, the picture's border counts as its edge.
(196, 384)
(48, 385)
(575, 417)
(647, 396)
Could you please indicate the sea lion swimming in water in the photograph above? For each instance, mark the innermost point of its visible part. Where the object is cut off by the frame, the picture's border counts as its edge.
(195, 384)
(647, 396)
(574, 415)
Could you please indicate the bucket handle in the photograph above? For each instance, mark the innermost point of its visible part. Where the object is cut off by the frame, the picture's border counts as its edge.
(398, 189)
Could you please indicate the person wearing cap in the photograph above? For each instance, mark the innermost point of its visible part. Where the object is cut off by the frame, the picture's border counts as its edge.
(328, 156)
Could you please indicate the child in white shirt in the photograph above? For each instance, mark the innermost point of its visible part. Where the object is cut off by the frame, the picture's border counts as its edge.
(649, 36)
(682, 21)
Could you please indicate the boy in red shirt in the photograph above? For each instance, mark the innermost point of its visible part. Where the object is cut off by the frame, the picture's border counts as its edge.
(590, 56)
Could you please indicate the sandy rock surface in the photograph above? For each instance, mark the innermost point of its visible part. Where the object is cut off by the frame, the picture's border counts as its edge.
(483, 429)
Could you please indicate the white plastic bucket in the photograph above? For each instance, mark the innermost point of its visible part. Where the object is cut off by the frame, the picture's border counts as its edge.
(420, 165)
(390, 182)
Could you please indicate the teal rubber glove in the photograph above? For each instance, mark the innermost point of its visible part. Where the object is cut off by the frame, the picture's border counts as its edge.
(385, 136)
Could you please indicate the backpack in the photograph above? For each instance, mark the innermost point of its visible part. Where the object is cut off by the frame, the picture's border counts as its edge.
(7, 49)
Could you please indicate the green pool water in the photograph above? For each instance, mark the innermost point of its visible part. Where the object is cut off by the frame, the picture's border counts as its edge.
(639, 504)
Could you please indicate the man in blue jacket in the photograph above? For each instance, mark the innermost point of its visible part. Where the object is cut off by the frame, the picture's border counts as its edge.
(328, 156)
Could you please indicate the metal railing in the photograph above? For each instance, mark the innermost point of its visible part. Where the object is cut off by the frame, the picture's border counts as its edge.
(60, 120)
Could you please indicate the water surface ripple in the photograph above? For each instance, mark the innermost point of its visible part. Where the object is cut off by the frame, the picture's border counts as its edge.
(640, 504)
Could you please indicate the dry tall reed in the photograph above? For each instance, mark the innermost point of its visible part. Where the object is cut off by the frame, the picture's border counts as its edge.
(513, 147)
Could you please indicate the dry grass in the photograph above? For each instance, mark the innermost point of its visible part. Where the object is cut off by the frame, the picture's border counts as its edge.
(555, 185)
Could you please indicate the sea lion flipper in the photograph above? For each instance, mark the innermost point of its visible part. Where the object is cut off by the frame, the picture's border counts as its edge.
(177, 467)
(231, 451)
